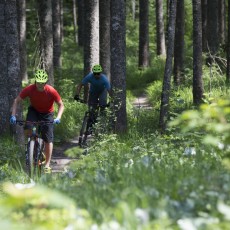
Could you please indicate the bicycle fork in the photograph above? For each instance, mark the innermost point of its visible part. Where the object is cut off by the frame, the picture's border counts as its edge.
(27, 152)
(38, 147)
(39, 143)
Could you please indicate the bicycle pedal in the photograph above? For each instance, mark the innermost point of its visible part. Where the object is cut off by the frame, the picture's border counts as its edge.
(47, 170)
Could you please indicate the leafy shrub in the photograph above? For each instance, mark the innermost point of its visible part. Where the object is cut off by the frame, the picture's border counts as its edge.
(66, 88)
(213, 78)
(10, 151)
(142, 121)
(140, 178)
(138, 79)
(70, 122)
(181, 99)
(210, 122)
(24, 207)
(154, 93)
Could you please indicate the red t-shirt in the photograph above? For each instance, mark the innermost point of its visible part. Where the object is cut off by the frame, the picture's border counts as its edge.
(43, 101)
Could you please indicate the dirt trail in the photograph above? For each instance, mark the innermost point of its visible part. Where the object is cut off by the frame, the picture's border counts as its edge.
(142, 102)
(60, 161)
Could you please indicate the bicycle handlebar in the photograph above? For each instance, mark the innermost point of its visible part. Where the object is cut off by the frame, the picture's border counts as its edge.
(22, 122)
(83, 102)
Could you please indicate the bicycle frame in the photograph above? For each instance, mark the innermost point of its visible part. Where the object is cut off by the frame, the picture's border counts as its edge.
(34, 148)
(89, 120)
(84, 132)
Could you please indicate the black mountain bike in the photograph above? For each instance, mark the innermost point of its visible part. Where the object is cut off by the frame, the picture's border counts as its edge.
(92, 115)
(34, 148)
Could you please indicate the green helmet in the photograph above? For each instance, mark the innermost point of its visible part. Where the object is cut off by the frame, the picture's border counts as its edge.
(41, 76)
(97, 69)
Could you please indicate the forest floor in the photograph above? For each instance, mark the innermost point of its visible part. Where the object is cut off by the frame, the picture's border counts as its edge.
(60, 161)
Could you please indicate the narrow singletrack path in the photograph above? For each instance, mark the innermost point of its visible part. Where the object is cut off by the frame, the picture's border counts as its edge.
(60, 161)
(142, 102)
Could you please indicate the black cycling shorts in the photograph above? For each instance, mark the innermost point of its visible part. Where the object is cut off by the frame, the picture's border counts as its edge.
(45, 129)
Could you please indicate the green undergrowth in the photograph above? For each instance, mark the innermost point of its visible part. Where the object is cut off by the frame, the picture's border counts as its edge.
(141, 180)
(147, 181)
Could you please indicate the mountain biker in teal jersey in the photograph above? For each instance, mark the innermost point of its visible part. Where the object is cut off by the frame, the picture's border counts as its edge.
(42, 98)
(99, 86)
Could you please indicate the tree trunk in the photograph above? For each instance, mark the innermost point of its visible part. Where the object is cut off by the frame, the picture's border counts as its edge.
(144, 34)
(46, 37)
(134, 9)
(91, 37)
(228, 48)
(21, 10)
(204, 25)
(222, 21)
(161, 50)
(75, 21)
(212, 29)
(80, 22)
(197, 53)
(104, 13)
(164, 109)
(61, 21)
(179, 44)
(10, 84)
(56, 36)
(118, 62)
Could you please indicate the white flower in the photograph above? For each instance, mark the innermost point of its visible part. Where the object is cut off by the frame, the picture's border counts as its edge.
(129, 163)
(142, 215)
(189, 151)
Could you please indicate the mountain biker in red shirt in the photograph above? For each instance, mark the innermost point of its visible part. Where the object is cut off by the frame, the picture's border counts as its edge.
(42, 98)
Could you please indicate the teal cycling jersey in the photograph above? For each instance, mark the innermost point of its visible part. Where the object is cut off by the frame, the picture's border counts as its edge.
(97, 85)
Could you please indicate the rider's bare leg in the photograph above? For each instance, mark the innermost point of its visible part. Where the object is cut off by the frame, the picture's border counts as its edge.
(48, 153)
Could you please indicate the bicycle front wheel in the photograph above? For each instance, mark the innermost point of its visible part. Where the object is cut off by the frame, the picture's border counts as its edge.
(83, 132)
(34, 159)
(30, 157)
(40, 156)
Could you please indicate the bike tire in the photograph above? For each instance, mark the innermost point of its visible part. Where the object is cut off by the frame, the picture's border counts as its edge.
(40, 156)
(34, 159)
(83, 132)
(30, 159)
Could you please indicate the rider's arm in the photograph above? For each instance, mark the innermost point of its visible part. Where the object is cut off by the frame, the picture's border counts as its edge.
(78, 89)
(84, 83)
(17, 100)
(60, 109)
(110, 92)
